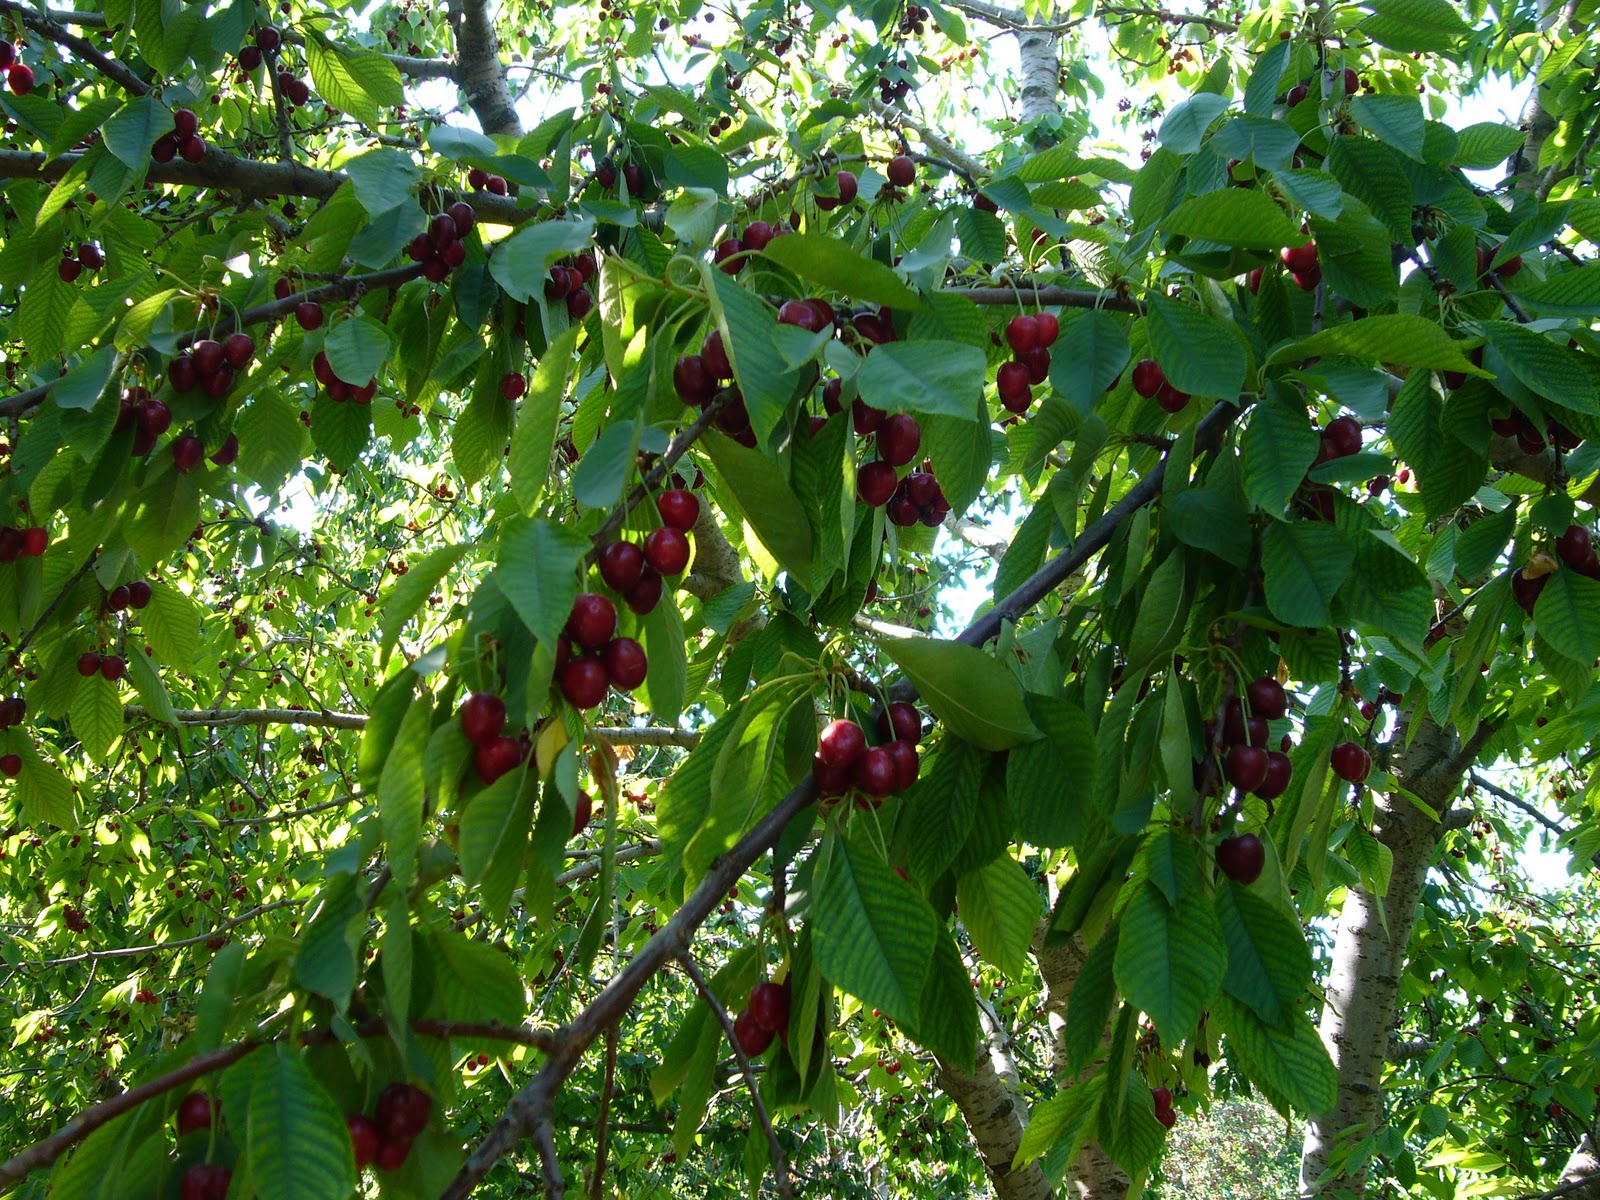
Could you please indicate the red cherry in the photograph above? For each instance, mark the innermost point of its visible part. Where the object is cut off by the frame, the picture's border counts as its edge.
(1167, 1118)
(1048, 326)
(899, 439)
(865, 419)
(268, 39)
(194, 1112)
(1162, 1098)
(581, 812)
(69, 269)
(875, 483)
(205, 1181)
(692, 381)
(494, 758)
(579, 304)
(113, 667)
(238, 349)
(621, 565)
(1302, 259)
(164, 149)
(35, 541)
(643, 596)
(831, 780)
(1148, 377)
(227, 452)
(20, 77)
(769, 1006)
(10, 765)
(841, 744)
(903, 511)
(907, 764)
(1037, 360)
(1246, 767)
(752, 1038)
(1022, 333)
(714, 356)
(185, 123)
(876, 772)
(679, 509)
(901, 171)
(512, 385)
(462, 214)
(392, 1155)
(483, 716)
(308, 314)
(1575, 545)
(139, 594)
(803, 315)
(584, 682)
(756, 236)
(1279, 771)
(905, 721)
(1267, 698)
(667, 551)
(1342, 437)
(1242, 858)
(88, 664)
(182, 375)
(118, 598)
(1013, 382)
(192, 149)
(1170, 399)
(625, 663)
(1351, 762)
(593, 620)
(187, 452)
(364, 1138)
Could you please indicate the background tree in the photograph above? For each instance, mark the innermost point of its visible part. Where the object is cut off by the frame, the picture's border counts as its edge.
(491, 501)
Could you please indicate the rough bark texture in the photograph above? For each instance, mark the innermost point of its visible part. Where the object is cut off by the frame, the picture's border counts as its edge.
(1369, 955)
(1040, 53)
(990, 1102)
(481, 75)
(1582, 1168)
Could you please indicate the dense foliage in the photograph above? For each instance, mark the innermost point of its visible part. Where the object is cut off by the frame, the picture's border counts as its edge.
(488, 506)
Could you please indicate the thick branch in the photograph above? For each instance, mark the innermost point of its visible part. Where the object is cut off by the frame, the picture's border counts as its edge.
(480, 74)
(48, 27)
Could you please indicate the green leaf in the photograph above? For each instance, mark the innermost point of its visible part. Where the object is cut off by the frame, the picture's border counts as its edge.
(340, 430)
(1427, 26)
(383, 179)
(534, 439)
(1061, 1123)
(1574, 293)
(1211, 521)
(147, 681)
(521, 263)
(130, 134)
(1000, 906)
(1185, 126)
(1543, 366)
(923, 377)
(477, 981)
(936, 815)
(830, 262)
(1394, 338)
(488, 823)
(98, 1169)
(1161, 613)
(874, 932)
(1091, 351)
(296, 1144)
(1262, 90)
(666, 689)
(1278, 447)
(1089, 1005)
(1486, 144)
(326, 961)
(538, 574)
(43, 791)
(1305, 563)
(1199, 354)
(171, 624)
(749, 335)
(96, 716)
(1395, 120)
(1170, 960)
(400, 792)
(353, 80)
(1288, 1062)
(1269, 963)
(1234, 217)
(770, 506)
(1387, 591)
(971, 693)
(409, 592)
(1568, 614)
(1376, 176)
(357, 349)
(947, 1017)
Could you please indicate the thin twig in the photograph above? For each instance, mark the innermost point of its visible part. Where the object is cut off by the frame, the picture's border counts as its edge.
(602, 1126)
(780, 1164)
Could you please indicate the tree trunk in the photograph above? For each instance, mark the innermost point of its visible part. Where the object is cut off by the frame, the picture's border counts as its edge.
(480, 74)
(1041, 72)
(991, 1103)
(1584, 1166)
(1369, 956)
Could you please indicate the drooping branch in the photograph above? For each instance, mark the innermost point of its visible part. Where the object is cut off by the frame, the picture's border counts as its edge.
(530, 1108)
(159, 947)
(49, 28)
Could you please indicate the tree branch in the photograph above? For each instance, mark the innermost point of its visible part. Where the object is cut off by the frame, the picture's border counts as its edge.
(47, 27)
(780, 1165)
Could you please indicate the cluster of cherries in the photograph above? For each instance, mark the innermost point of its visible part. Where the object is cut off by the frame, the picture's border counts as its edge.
(384, 1140)
(483, 720)
(765, 1016)
(111, 667)
(844, 760)
(88, 258)
(1151, 382)
(295, 90)
(340, 389)
(1520, 427)
(731, 253)
(1247, 764)
(1304, 267)
(28, 542)
(480, 180)
(184, 140)
(697, 378)
(1486, 267)
(267, 41)
(19, 76)
(1030, 337)
(1162, 1098)
(1340, 438)
(152, 418)
(569, 280)
(590, 657)
(439, 248)
(203, 1181)
(916, 498)
(1576, 550)
(210, 365)
(635, 573)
